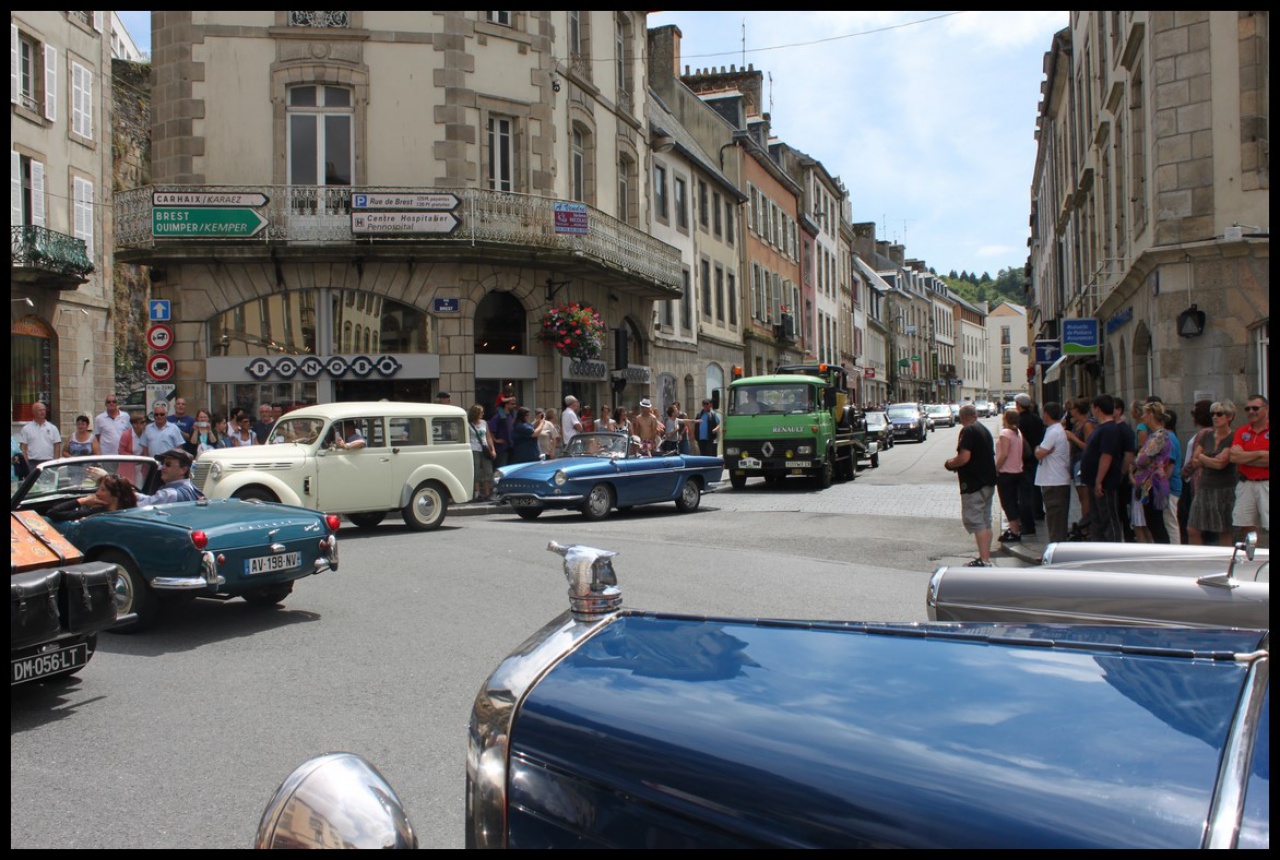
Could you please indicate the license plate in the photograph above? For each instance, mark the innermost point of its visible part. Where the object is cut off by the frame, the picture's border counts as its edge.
(49, 663)
(272, 563)
(800, 464)
(522, 502)
(749, 463)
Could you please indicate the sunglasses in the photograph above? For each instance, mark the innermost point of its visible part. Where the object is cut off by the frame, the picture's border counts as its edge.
(138, 421)
(111, 401)
(158, 414)
(1219, 414)
(1253, 409)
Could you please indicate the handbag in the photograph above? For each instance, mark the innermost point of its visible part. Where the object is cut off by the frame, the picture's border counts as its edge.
(484, 449)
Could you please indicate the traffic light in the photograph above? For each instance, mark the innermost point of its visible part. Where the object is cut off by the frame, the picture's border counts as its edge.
(621, 348)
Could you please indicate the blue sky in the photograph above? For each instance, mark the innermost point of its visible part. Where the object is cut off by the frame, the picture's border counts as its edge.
(928, 117)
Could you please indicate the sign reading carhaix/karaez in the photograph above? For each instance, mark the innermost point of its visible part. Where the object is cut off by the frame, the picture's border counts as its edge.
(208, 198)
(403, 222)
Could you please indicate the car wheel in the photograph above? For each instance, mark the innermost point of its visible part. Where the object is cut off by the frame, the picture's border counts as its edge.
(690, 496)
(427, 507)
(599, 502)
(367, 520)
(826, 473)
(272, 595)
(254, 494)
(737, 481)
(132, 593)
(528, 513)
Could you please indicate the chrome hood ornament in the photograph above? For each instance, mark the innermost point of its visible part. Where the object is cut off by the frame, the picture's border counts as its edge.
(593, 586)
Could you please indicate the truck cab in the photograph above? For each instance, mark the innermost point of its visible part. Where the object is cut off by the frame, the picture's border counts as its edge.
(798, 421)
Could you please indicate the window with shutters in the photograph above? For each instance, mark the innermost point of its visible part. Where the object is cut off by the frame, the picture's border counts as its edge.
(26, 182)
(82, 212)
(33, 67)
(81, 101)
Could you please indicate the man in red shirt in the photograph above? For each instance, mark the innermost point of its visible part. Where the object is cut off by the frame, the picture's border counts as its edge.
(1251, 452)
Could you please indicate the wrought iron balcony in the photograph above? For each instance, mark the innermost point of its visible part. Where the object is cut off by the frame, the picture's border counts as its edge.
(172, 223)
(47, 258)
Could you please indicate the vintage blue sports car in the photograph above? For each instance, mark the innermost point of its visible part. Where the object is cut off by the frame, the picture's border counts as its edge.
(603, 471)
(218, 548)
(618, 728)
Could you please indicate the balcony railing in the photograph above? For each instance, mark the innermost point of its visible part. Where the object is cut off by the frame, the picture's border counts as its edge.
(310, 216)
(40, 254)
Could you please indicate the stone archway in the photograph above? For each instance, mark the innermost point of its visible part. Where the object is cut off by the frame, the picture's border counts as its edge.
(500, 327)
(1142, 362)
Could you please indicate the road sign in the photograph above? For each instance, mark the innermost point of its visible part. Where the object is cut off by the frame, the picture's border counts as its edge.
(159, 310)
(207, 198)
(161, 394)
(402, 222)
(212, 223)
(160, 336)
(160, 367)
(427, 202)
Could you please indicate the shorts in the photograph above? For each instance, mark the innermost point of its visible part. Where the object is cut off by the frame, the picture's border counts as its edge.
(1253, 505)
(975, 510)
(483, 468)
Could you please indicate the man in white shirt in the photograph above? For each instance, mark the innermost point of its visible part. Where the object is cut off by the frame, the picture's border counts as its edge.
(1053, 475)
(160, 435)
(570, 426)
(110, 425)
(39, 438)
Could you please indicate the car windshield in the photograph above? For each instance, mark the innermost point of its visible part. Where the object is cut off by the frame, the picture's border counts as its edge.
(71, 477)
(939, 410)
(779, 399)
(876, 419)
(304, 431)
(904, 410)
(610, 445)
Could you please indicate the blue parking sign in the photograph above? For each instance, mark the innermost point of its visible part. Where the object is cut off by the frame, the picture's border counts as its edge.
(159, 310)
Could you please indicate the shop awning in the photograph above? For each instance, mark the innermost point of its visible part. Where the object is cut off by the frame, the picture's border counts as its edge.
(1054, 370)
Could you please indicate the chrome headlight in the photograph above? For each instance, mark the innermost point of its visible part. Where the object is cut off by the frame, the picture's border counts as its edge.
(215, 472)
(497, 474)
(731, 451)
(560, 478)
(804, 449)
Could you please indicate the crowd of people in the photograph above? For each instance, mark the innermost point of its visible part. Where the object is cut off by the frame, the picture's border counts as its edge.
(1136, 480)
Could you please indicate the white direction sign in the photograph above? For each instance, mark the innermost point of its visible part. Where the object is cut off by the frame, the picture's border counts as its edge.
(208, 198)
(402, 222)
(421, 202)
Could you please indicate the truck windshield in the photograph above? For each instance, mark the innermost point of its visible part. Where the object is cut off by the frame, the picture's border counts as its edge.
(781, 399)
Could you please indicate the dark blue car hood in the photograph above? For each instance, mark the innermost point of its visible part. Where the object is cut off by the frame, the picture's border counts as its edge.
(662, 731)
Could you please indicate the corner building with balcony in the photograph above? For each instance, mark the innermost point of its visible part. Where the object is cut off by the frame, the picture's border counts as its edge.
(60, 282)
(365, 205)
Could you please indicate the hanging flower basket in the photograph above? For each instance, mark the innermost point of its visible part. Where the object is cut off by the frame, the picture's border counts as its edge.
(573, 330)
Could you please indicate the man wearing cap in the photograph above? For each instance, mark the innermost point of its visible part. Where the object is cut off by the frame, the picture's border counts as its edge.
(648, 425)
(175, 472)
(570, 426)
(1030, 496)
(444, 398)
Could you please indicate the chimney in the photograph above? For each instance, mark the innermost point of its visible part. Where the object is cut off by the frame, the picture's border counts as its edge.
(664, 56)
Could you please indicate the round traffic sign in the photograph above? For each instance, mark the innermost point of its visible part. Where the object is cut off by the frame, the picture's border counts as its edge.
(160, 367)
(160, 336)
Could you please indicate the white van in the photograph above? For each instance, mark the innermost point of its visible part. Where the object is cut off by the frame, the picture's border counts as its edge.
(357, 459)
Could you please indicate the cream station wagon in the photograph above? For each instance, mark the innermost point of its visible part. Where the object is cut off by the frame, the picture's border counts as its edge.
(415, 459)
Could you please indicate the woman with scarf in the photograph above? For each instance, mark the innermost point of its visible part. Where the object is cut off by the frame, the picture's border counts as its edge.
(1151, 470)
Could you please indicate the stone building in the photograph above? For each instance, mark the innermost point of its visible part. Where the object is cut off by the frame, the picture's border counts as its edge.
(60, 274)
(1151, 204)
(358, 205)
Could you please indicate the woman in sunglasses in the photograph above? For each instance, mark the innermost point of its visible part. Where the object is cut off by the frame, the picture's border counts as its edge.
(1216, 487)
(113, 493)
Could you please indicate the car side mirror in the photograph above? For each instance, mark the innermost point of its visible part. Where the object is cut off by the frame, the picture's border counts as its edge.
(337, 800)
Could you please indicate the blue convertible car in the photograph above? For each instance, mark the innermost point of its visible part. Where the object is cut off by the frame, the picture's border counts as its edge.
(220, 548)
(617, 728)
(603, 471)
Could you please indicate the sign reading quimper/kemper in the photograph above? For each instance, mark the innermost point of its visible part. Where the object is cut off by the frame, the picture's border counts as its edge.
(216, 222)
(403, 222)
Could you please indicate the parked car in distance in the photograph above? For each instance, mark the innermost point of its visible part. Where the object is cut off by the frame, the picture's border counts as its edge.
(620, 728)
(58, 602)
(909, 421)
(879, 428)
(602, 471)
(221, 548)
(940, 415)
(1110, 583)
(413, 458)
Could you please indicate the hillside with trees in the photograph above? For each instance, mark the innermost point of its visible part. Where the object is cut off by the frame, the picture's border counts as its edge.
(1007, 286)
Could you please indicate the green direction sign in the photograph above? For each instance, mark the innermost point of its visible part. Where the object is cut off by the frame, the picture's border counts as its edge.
(222, 222)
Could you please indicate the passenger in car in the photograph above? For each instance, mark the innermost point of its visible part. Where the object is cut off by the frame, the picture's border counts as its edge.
(113, 493)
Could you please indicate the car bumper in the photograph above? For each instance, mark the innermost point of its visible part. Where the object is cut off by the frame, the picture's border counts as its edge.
(531, 500)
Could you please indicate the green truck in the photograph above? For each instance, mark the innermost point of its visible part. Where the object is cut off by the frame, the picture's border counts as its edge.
(800, 420)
